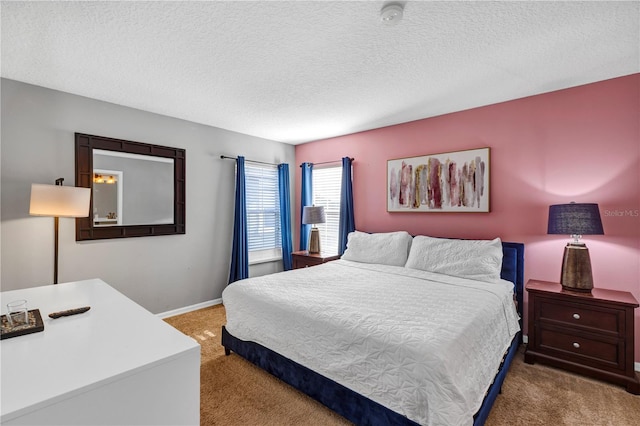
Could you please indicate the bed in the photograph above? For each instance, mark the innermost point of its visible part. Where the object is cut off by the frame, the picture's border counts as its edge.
(400, 330)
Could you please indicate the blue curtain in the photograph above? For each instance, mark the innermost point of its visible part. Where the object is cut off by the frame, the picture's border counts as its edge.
(307, 200)
(285, 216)
(240, 252)
(347, 220)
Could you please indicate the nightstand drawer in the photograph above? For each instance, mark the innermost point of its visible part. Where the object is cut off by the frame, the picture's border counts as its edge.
(591, 318)
(586, 350)
(305, 262)
(304, 259)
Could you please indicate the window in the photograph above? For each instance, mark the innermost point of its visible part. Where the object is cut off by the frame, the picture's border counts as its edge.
(263, 213)
(326, 192)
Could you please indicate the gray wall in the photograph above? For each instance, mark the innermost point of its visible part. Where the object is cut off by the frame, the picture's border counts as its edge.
(160, 273)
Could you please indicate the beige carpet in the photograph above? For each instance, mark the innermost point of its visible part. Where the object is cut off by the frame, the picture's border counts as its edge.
(234, 392)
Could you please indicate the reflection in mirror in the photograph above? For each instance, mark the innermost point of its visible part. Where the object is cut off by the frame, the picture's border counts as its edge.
(146, 196)
(107, 197)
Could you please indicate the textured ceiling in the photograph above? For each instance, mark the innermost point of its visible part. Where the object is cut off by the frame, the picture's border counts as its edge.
(297, 71)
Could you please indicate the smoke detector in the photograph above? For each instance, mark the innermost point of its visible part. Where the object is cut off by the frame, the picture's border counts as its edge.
(391, 14)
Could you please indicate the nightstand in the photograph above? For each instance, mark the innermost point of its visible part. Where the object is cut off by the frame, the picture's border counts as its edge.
(586, 333)
(304, 259)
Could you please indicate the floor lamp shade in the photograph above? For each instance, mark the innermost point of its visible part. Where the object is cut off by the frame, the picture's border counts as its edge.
(312, 215)
(59, 201)
(575, 219)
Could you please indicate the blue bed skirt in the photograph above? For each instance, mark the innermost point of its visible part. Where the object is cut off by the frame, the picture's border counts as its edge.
(349, 404)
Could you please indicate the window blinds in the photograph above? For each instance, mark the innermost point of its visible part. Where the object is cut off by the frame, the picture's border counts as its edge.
(263, 207)
(326, 192)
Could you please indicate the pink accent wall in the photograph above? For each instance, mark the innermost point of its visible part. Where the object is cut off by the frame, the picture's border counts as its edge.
(580, 144)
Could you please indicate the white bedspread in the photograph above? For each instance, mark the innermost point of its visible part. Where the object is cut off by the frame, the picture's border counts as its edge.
(424, 345)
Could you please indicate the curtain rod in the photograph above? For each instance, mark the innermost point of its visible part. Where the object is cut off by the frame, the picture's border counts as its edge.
(250, 161)
(329, 162)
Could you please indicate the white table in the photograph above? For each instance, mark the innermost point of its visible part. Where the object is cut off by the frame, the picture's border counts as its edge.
(116, 364)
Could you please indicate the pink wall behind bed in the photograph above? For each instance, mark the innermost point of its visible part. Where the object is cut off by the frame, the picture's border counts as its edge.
(580, 144)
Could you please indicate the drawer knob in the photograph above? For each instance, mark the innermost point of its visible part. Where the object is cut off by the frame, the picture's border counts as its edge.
(576, 316)
(576, 345)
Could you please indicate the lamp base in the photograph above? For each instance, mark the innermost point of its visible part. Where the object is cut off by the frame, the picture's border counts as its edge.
(314, 241)
(576, 268)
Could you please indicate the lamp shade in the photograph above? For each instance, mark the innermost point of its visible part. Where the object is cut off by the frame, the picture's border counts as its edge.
(313, 214)
(575, 219)
(59, 201)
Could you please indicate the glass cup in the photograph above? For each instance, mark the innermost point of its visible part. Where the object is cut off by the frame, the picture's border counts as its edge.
(17, 313)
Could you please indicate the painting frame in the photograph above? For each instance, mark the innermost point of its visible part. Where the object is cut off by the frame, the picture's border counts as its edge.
(448, 182)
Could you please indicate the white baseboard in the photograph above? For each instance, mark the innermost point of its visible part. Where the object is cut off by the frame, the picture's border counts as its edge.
(191, 308)
(525, 338)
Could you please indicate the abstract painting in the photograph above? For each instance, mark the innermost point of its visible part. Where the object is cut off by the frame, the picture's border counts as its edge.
(448, 182)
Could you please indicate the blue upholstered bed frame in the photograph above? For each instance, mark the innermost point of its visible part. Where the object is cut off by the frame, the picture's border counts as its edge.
(360, 409)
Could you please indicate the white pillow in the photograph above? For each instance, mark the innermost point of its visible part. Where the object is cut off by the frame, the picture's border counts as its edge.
(479, 260)
(391, 248)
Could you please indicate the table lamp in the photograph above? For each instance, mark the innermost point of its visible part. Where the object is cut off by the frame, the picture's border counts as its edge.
(312, 215)
(575, 219)
(59, 201)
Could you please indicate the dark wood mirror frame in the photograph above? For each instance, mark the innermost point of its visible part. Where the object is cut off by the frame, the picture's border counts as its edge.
(85, 144)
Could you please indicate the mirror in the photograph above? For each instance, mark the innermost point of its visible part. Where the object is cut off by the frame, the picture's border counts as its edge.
(138, 189)
(145, 198)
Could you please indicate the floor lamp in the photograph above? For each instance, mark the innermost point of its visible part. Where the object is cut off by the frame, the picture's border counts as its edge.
(59, 201)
